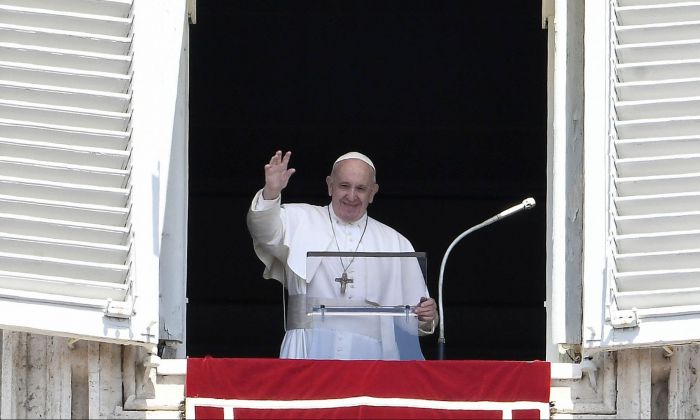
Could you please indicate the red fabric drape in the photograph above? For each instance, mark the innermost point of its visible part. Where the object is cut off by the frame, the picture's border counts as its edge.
(270, 380)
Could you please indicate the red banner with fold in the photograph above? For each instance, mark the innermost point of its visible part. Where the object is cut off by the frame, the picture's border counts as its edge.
(222, 388)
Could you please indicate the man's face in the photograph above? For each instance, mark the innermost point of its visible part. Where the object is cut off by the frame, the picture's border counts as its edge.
(351, 187)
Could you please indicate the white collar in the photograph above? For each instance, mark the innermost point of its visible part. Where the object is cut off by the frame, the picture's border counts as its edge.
(360, 223)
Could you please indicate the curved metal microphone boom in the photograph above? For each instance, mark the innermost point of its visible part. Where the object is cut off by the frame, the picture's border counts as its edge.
(527, 204)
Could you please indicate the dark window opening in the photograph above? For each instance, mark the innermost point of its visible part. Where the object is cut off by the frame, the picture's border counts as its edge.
(449, 100)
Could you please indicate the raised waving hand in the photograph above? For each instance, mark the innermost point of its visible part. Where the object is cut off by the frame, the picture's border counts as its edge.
(277, 175)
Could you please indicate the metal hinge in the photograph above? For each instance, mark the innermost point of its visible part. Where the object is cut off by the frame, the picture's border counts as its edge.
(624, 319)
(121, 310)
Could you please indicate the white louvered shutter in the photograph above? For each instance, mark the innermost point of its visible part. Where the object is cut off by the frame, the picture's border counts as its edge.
(66, 241)
(653, 275)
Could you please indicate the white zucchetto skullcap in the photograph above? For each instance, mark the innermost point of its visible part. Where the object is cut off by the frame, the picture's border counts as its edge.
(355, 155)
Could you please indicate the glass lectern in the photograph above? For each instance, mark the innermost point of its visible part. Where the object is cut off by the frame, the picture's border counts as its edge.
(362, 304)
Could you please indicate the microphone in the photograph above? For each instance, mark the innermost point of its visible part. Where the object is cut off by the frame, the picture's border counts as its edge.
(527, 204)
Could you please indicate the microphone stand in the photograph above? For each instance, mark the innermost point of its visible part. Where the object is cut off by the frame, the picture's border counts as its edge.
(527, 204)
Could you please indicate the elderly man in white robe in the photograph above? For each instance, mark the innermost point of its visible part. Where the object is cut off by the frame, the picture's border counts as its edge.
(283, 234)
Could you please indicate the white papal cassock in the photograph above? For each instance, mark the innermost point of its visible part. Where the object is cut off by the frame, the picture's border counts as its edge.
(282, 236)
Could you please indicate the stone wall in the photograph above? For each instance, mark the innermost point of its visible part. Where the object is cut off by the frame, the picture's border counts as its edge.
(57, 377)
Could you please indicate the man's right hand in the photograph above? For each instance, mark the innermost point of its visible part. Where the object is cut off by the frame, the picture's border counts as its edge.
(277, 175)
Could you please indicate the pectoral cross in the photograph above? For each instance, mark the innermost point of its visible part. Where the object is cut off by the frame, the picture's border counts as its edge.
(343, 280)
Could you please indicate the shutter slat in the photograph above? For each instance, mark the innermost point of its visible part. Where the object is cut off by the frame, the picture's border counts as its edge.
(62, 77)
(650, 280)
(651, 185)
(76, 193)
(64, 249)
(661, 241)
(76, 118)
(655, 261)
(61, 287)
(33, 297)
(658, 70)
(649, 90)
(662, 32)
(53, 38)
(659, 146)
(66, 97)
(650, 223)
(60, 153)
(63, 229)
(63, 134)
(655, 299)
(69, 59)
(658, 127)
(119, 8)
(67, 211)
(658, 13)
(657, 108)
(645, 2)
(67, 21)
(58, 172)
(657, 203)
(658, 51)
(48, 266)
(660, 165)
